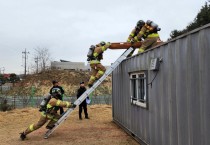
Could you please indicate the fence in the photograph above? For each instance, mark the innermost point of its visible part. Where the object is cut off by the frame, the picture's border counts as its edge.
(4, 88)
(13, 102)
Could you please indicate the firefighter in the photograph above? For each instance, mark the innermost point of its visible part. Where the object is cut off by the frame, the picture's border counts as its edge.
(49, 114)
(145, 32)
(57, 86)
(97, 69)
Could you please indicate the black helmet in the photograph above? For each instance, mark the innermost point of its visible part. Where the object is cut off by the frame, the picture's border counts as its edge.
(102, 43)
(149, 22)
(56, 92)
(140, 23)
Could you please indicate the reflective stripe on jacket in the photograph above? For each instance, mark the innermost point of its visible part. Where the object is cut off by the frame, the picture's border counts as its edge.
(56, 102)
(153, 35)
(146, 33)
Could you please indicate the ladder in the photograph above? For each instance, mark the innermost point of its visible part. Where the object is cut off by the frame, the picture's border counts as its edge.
(89, 91)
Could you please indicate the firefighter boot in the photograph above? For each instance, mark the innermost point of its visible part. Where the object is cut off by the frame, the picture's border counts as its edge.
(22, 136)
(49, 127)
(90, 85)
(131, 53)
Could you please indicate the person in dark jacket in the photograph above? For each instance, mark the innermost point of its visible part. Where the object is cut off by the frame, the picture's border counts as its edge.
(83, 105)
(57, 87)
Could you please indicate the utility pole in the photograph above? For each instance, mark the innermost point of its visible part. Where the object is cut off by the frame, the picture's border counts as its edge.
(37, 64)
(25, 56)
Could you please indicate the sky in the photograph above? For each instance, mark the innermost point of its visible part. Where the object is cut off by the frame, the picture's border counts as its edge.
(67, 28)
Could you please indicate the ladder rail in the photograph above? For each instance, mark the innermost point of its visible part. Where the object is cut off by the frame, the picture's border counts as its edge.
(89, 91)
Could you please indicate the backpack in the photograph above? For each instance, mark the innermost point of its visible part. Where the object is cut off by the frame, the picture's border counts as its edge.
(90, 53)
(43, 104)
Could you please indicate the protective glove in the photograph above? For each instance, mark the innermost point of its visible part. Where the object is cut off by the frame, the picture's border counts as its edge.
(88, 59)
(132, 41)
(73, 105)
(108, 43)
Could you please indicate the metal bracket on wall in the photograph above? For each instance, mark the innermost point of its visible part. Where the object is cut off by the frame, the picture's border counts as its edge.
(154, 66)
(155, 63)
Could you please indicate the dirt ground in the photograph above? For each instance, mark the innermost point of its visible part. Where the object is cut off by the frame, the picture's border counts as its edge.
(98, 130)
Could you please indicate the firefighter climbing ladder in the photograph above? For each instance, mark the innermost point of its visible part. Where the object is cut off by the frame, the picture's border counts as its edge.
(89, 91)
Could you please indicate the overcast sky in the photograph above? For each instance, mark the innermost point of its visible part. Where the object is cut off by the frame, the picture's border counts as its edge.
(68, 27)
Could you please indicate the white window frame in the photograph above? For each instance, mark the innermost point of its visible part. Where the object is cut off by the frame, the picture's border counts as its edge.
(135, 92)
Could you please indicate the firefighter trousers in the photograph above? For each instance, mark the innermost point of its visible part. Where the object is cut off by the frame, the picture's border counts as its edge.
(148, 43)
(97, 70)
(43, 119)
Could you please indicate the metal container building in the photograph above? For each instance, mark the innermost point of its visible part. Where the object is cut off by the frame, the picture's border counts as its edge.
(175, 108)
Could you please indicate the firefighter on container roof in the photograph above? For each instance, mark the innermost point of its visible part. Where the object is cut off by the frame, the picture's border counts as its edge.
(148, 32)
(48, 109)
(95, 55)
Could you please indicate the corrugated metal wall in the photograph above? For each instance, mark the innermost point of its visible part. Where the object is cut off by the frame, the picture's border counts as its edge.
(179, 100)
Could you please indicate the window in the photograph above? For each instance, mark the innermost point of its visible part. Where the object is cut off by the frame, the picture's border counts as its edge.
(138, 83)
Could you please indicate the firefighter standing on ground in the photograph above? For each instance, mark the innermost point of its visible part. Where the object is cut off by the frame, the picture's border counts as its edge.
(97, 69)
(56, 86)
(147, 31)
(49, 114)
(83, 105)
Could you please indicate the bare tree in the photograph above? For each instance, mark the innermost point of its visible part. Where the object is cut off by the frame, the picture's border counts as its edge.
(42, 59)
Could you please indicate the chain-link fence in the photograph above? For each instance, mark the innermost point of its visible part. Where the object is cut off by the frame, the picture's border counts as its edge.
(12, 102)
